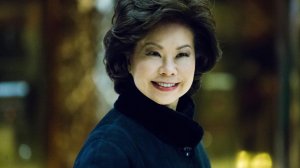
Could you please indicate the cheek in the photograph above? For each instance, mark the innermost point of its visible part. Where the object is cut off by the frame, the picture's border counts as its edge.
(188, 67)
(188, 72)
(142, 69)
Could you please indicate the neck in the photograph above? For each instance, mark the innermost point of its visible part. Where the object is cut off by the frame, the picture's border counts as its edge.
(173, 106)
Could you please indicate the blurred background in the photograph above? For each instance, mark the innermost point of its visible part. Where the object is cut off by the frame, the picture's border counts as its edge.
(54, 89)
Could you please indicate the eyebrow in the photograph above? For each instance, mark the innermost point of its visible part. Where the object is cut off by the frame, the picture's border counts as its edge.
(184, 46)
(160, 47)
(152, 43)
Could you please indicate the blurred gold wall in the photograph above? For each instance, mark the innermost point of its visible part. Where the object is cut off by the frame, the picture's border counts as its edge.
(72, 36)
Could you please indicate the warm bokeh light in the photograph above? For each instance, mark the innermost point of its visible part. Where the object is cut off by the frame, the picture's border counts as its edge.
(261, 160)
(243, 160)
(246, 159)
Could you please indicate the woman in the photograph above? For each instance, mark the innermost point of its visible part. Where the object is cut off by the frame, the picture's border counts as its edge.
(156, 52)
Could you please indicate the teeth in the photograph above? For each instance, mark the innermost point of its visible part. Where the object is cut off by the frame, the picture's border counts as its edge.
(166, 84)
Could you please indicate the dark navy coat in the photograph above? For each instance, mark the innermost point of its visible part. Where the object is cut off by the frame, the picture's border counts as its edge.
(138, 133)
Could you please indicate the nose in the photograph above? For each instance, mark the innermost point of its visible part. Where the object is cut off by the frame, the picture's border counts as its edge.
(168, 68)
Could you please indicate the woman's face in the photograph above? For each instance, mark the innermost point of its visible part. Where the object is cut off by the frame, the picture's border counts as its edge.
(163, 63)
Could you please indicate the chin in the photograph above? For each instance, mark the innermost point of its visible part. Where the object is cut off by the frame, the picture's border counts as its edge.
(165, 103)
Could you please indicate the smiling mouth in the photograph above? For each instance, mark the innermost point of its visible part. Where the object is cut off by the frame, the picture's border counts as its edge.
(165, 86)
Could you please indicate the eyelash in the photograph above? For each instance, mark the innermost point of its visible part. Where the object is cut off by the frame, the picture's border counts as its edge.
(183, 55)
(155, 53)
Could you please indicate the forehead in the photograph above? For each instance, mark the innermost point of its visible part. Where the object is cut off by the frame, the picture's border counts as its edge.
(174, 31)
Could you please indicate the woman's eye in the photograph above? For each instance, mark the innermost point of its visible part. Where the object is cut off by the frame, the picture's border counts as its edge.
(153, 53)
(183, 55)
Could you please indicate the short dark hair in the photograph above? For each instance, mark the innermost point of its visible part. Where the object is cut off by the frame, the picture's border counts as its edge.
(134, 18)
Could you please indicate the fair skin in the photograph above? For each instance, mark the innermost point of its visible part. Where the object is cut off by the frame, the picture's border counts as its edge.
(163, 63)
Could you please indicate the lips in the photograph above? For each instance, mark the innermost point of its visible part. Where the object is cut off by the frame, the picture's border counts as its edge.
(163, 86)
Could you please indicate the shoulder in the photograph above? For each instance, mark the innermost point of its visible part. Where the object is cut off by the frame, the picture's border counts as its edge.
(114, 127)
(99, 154)
(202, 155)
(109, 144)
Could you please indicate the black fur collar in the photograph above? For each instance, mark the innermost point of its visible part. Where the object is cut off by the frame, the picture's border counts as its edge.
(173, 127)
